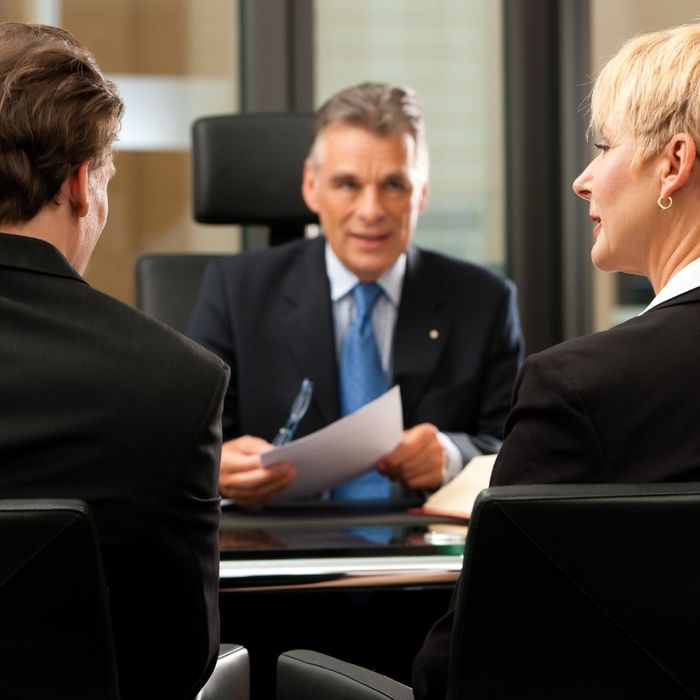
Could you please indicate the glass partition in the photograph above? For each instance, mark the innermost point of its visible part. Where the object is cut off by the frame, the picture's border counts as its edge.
(450, 53)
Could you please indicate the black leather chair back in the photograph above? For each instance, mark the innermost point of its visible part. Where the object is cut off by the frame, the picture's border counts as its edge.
(580, 592)
(167, 285)
(55, 629)
(247, 169)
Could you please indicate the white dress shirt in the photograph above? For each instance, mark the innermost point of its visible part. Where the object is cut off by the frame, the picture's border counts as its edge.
(685, 280)
(384, 316)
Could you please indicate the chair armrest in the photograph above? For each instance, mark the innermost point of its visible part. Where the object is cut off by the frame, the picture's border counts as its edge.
(308, 675)
(230, 679)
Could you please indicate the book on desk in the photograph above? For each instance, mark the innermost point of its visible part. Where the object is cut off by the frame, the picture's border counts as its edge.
(457, 497)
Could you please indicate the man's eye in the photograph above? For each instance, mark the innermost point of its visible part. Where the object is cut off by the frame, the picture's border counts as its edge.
(347, 185)
(395, 186)
(604, 147)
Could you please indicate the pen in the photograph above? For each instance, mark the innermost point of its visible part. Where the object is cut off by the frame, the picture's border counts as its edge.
(296, 413)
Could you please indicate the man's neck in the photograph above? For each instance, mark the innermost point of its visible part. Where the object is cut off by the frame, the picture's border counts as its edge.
(343, 280)
(50, 225)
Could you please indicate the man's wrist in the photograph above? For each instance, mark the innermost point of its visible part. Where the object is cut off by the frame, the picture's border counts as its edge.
(453, 457)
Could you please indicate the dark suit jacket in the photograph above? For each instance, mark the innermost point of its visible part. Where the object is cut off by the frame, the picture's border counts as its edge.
(103, 404)
(616, 406)
(612, 407)
(269, 315)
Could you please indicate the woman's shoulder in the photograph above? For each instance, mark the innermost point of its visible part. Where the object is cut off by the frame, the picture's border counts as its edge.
(627, 351)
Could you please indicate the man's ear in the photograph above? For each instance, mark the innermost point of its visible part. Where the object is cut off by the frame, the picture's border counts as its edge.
(79, 188)
(678, 161)
(308, 187)
(424, 197)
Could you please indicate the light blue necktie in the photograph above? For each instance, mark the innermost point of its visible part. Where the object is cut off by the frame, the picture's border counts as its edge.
(361, 381)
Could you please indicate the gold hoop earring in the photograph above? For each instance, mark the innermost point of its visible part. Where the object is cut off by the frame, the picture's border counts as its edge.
(660, 202)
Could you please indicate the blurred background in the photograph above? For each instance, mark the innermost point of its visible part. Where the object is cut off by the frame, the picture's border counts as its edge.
(503, 84)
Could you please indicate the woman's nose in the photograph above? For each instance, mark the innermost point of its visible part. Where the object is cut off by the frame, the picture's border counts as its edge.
(582, 184)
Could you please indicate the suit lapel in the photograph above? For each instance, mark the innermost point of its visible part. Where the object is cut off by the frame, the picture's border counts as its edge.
(307, 326)
(422, 328)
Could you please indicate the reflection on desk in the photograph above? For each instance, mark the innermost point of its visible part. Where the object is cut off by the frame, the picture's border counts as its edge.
(330, 545)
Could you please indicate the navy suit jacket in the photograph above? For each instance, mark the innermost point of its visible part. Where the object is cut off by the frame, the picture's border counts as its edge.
(103, 404)
(268, 314)
(611, 407)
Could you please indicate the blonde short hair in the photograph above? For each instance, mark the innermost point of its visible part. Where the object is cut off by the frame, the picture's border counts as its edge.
(651, 88)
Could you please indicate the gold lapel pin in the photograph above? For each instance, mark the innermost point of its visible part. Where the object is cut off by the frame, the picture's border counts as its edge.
(434, 334)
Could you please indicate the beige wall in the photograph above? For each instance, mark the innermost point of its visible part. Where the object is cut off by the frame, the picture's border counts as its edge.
(150, 198)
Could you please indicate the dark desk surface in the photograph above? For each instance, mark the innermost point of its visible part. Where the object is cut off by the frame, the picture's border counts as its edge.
(323, 545)
(321, 575)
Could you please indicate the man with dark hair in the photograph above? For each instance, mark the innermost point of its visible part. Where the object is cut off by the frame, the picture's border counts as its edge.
(361, 303)
(99, 402)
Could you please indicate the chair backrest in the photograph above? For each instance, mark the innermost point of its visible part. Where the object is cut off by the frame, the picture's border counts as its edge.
(55, 629)
(247, 169)
(167, 285)
(580, 592)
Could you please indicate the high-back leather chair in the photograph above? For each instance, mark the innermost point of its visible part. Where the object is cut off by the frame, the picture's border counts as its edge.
(566, 592)
(55, 633)
(246, 169)
(55, 628)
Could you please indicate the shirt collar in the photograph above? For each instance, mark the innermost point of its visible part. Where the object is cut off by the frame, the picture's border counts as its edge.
(686, 279)
(342, 280)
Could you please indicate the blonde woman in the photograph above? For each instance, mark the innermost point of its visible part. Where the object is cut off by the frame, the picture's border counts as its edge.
(621, 405)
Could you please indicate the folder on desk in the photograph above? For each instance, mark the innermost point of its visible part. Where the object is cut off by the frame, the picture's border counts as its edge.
(457, 497)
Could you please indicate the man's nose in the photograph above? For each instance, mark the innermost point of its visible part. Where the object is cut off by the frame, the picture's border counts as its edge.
(370, 206)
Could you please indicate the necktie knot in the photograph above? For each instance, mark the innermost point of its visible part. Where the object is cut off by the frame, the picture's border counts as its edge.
(366, 295)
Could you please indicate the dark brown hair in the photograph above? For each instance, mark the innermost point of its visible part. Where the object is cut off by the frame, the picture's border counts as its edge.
(57, 110)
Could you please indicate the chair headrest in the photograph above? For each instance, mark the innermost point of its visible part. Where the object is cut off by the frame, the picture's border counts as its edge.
(247, 168)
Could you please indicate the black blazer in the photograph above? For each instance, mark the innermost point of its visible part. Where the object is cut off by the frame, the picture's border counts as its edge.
(612, 407)
(103, 404)
(269, 315)
(617, 406)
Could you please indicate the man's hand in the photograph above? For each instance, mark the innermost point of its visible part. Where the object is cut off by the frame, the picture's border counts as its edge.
(242, 476)
(419, 461)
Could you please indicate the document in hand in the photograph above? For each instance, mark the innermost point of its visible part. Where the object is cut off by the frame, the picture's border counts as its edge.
(341, 450)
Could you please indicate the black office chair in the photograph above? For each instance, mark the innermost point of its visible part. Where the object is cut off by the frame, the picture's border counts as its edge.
(167, 285)
(247, 169)
(55, 629)
(566, 592)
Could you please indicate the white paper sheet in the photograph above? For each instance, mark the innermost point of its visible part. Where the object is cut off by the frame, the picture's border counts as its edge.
(341, 450)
